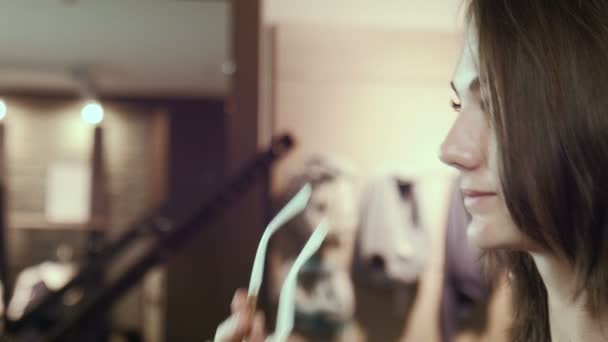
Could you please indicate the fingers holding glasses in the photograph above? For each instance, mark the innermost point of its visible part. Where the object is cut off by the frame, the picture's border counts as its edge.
(258, 328)
(239, 301)
(243, 323)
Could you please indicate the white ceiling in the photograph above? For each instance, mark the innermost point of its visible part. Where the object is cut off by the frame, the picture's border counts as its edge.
(134, 47)
(165, 47)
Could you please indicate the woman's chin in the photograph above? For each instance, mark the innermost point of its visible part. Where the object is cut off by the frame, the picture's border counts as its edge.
(487, 234)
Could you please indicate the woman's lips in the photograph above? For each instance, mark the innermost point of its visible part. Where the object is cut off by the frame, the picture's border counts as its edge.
(477, 201)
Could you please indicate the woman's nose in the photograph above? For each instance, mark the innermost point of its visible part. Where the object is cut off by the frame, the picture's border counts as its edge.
(462, 148)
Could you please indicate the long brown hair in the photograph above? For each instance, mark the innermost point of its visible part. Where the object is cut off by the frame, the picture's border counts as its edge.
(544, 71)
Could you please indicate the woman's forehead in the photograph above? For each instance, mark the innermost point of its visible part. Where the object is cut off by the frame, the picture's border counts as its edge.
(466, 73)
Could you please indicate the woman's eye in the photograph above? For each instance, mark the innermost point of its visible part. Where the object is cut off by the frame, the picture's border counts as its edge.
(455, 104)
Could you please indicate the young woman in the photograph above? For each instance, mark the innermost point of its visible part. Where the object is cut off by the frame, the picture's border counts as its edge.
(530, 140)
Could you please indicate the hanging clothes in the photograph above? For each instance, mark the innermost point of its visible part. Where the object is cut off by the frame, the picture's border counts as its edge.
(392, 243)
(391, 252)
(464, 301)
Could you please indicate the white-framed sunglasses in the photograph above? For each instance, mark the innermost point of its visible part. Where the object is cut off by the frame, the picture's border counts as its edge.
(286, 310)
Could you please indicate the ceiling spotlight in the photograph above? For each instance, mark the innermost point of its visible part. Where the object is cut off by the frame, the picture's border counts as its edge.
(92, 112)
(228, 68)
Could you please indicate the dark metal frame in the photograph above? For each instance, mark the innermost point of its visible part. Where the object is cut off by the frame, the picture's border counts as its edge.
(173, 229)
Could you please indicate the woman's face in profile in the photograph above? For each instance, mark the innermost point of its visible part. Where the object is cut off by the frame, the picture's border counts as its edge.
(470, 146)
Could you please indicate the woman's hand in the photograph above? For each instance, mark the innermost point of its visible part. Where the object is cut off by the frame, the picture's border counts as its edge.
(242, 323)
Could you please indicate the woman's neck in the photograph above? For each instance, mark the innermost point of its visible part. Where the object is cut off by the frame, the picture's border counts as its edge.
(568, 318)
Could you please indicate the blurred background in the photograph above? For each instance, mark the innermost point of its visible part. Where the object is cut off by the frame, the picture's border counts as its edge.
(121, 120)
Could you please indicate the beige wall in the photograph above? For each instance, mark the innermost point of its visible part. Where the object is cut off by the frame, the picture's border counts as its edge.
(379, 98)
